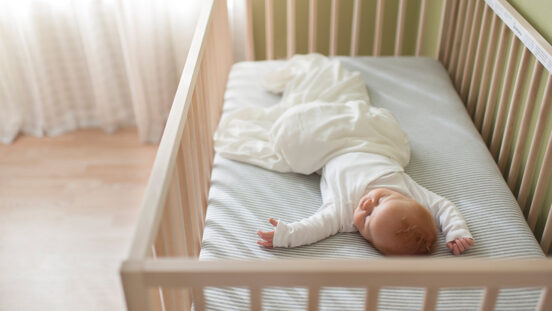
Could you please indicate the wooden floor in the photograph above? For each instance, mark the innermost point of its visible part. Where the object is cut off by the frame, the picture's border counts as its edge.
(68, 206)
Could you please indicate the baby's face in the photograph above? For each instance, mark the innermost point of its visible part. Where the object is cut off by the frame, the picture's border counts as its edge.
(378, 217)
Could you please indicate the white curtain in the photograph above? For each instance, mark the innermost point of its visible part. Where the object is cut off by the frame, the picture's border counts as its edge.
(68, 64)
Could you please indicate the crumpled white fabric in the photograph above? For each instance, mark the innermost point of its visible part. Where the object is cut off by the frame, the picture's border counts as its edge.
(324, 112)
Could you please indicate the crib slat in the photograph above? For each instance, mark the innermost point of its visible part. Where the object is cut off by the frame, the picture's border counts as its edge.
(269, 29)
(456, 40)
(421, 27)
(199, 123)
(513, 173)
(502, 105)
(379, 28)
(495, 84)
(313, 11)
(314, 293)
(173, 299)
(184, 153)
(371, 299)
(430, 299)
(255, 301)
(451, 21)
(333, 27)
(290, 28)
(541, 188)
(489, 299)
(162, 246)
(174, 221)
(475, 33)
(250, 48)
(205, 135)
(400, 28)
(156, 293)
(206, 146)
(486, 77)
(192, 178)
(199, 299)
(545, 301)
(468, 25)
(177, 216)
(546, 105)
(479, 56)
(355, 32)
(180, 175)
(547, 233)
(513, 111)
(196, 178)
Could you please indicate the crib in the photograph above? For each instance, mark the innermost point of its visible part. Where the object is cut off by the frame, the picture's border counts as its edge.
(508, 96)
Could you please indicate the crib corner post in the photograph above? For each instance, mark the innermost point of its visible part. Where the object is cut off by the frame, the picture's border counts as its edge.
(136, 292)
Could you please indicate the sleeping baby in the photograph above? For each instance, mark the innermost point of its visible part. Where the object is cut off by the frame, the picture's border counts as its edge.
(395, 214)
(325, 123)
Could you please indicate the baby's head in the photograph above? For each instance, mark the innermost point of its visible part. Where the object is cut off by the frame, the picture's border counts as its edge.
(395, 224)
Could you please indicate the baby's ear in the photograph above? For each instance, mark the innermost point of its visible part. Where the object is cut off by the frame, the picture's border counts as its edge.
(365, 203)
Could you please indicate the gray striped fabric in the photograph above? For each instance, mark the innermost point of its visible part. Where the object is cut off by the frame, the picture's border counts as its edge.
(448, 157)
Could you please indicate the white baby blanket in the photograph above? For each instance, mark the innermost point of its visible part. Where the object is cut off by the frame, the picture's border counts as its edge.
(325, 111)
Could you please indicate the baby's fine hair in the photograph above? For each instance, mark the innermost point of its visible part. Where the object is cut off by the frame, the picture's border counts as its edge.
(417, 239)
(414, 238)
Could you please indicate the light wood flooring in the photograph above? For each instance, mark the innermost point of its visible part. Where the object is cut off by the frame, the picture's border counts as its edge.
(68, 206)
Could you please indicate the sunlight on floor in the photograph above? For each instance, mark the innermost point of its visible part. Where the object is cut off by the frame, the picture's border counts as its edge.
(68, 207)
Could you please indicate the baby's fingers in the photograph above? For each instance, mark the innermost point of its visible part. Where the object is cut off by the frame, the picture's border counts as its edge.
(466, 243)
(453, 247)
(268, 235)
(265, 244)
(455, 250)
(273, 222)
(460, 246)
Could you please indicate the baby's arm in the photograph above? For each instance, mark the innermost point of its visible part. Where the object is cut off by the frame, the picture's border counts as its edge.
(321, 225)
(447, 215)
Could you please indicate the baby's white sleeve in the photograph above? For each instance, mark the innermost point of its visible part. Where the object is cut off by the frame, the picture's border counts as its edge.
(446, 214)
(324, 223)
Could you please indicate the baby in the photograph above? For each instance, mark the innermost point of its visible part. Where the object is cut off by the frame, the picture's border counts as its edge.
(391, 211)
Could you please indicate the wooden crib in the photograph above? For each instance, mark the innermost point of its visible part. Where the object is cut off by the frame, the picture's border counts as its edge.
(508, 96)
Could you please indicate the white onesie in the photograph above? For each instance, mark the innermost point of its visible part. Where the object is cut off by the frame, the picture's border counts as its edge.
(344, 180)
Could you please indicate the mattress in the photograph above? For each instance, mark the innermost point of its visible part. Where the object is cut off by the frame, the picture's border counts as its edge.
(448, 157)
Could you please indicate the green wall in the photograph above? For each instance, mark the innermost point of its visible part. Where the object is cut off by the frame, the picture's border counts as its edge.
(538, 13)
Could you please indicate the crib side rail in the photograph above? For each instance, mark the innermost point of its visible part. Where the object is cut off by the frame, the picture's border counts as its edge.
(501, 67)
(173, 209)
(430, 274)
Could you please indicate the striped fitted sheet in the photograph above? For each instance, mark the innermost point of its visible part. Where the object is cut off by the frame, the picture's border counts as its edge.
(448, 157)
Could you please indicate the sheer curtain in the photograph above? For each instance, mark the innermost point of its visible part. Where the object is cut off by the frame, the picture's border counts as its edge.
(68, 64)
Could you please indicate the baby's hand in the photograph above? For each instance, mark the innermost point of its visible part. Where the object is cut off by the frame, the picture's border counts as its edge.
(459, 245)
(267, 236)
